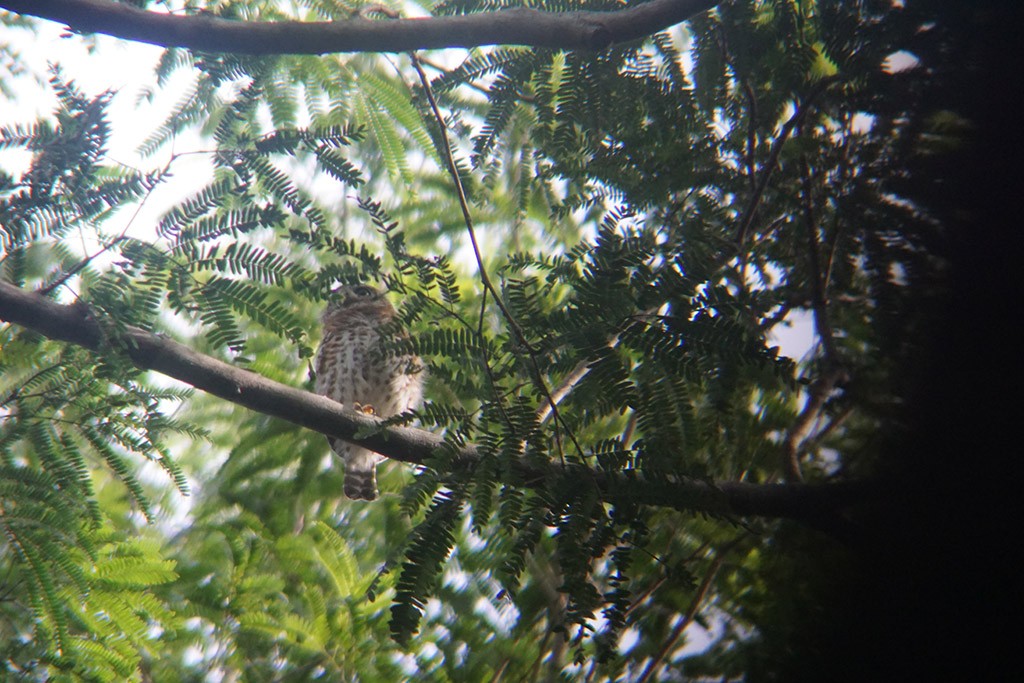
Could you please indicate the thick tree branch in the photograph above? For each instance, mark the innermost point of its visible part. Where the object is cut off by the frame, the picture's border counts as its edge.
(520, 26)
(76, 325)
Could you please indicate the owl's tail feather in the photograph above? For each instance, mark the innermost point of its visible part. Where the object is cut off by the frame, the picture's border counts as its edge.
(360, 470)
(361, 484)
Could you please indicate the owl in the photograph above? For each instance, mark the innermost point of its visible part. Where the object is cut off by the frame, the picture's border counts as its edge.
(353, 369)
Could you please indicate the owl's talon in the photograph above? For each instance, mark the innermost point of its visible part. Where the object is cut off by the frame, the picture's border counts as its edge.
(366, 409)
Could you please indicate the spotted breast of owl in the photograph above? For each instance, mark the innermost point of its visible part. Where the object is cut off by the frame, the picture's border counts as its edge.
(353, 369)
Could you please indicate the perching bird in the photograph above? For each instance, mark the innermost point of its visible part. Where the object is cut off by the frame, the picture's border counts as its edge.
(353, 369)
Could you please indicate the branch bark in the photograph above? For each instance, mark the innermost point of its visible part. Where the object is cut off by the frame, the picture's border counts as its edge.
(75, 324)
(518, 26)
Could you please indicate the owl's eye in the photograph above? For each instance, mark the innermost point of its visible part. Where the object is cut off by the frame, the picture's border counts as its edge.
(363, 290)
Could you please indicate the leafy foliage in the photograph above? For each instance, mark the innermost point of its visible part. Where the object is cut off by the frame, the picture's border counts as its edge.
(651, 217)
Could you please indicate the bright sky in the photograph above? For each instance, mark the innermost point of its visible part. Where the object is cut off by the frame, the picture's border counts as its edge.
(115, 64)
(136, 109)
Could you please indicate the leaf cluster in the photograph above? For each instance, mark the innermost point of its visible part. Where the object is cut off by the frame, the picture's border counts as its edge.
(651, 216)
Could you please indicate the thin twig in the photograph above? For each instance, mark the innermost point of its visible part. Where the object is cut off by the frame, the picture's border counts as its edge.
(832, 425)
(819, 301)
(627, 433)
(485, 279)
(773, 158)
(569, 383)
(751, 134)
(723, 49)
(691, 612)
(833, 372)
(77, 268)
(563, 390)
(818, 394)
(751, 163)
(74, 270)
(449, 158)
(468, 84)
